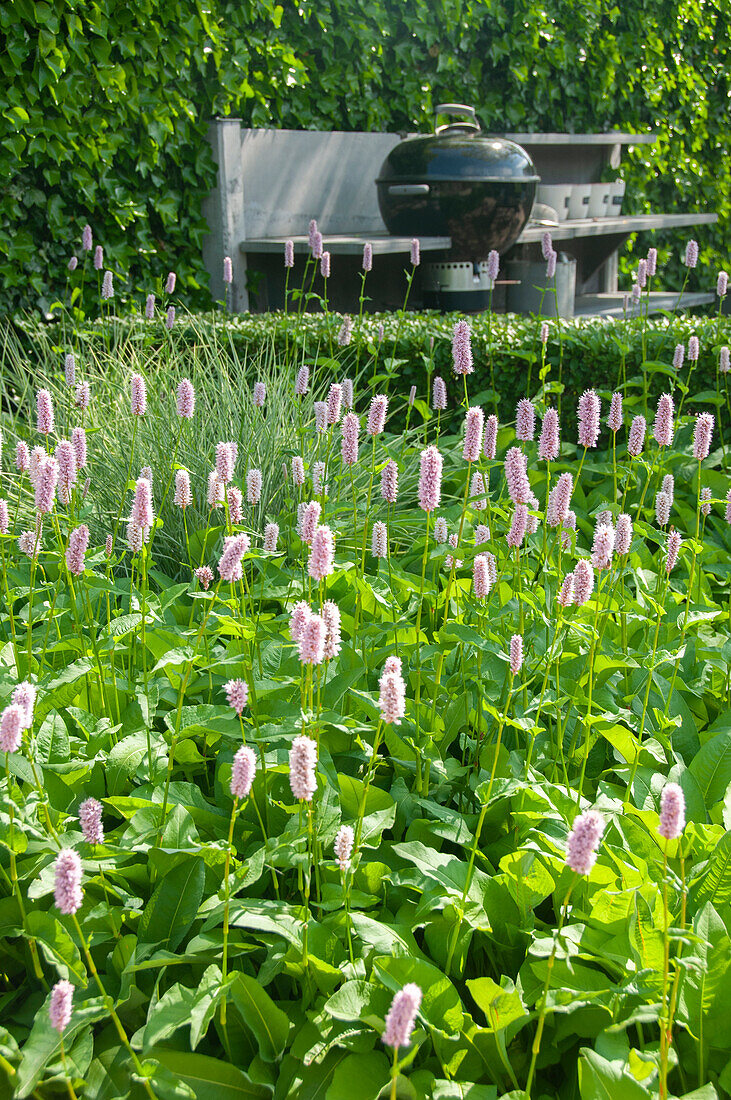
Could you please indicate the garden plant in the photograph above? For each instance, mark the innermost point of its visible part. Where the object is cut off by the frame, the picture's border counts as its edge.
(360, 737)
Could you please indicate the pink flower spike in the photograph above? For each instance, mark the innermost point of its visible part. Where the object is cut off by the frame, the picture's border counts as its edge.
(22, 457)
(583, 581)
(83, 396)
(243, 771)
(663, 428)
(322, 554)
(90, 818)
(204, 576)
(516, 475)
(67, 881)
(299, 616)
(78, 545)
(325, 265)
(312, 641)
(259, 395)
(377, 415)
(379, 540)
(11, 728)
(623, 534)
(516, 654)
(518, 527)
(392, 698)
(722, 284)
(474, 421)
(253, 486)
(588, 416)
(170, 284)
(228, 273)
(549, 443)
(603, 548)
(334, 401)
(441, 531)
(477, 492)
(637, 431)
(415, 253)
(185, 399)
(298, 471)
(489, 445)
(672, 812)
(230, 564)
(614, 420)
(237, 693)
(583, 841)
(691, 253)
(4, 517)
(343, 846)
(138, 395)
(430, 479)
(271, 538)
(367, 256)
(389, 482)
(302, 766)
(402, 1016)
(565, 596)
(672, 550)
(349, 449)
(46, 482)
(289, 253)
(60, 1005)
(78, 442)
(462, 349)
(142, 513)
(702, 436)
(45, 417)
(525, 421)
(480, 577)
(439, 394)
(86, 239)
(333, 641)
(183, 497)
(678, 356)
(302, 383)
(310, 521)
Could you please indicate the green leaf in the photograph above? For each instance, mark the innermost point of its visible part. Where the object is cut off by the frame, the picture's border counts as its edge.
(57, 945)
(600, 1079)
(269, 1024)
(441, 1005)
(212, 1078)
(715, 883)
(173, 907)
(711, 767)
(359, 1077)
(43, 1045)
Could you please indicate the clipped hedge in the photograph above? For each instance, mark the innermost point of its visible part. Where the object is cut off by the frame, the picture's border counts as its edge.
(104, 107)
(590, 350)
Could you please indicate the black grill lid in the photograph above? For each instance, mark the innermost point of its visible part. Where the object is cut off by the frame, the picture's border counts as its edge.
(459, 151)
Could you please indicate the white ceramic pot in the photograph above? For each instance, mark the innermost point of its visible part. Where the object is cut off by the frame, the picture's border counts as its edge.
(599, 200)
(555, 195)
(616, 195)
(579, 201)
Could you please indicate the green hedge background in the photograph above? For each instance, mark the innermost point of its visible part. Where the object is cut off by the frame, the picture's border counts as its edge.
(104, 107)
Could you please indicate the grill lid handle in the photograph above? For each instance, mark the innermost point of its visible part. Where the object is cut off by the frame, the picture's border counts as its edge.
(457, 110)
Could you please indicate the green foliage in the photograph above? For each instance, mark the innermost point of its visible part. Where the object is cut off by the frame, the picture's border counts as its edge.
(104, 107)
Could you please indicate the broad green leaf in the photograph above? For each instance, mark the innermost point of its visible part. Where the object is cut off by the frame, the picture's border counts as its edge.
(359, 1077)
(440, 1006)
(269, 1024)
(170, 912)
(600, 1079)
(211, 1078)
(43, 1045)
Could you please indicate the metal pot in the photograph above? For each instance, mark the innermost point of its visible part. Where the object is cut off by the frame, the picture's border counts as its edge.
(476, 188)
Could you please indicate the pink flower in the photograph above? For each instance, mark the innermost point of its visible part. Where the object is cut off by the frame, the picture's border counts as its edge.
(546, 245)
(702, 436)
(462, 349)
(204, 576)
(693, 349)
(78, 544)
(722, 284)
(389, 482)
(474, 421)
(588, 419)
(583, 841)
(672, 550)
(678, 356)
(4, 517)
(312, 233)
(11, 728)
(724, 360)
(86, 239)
(439, 394)
(310, 520)
(379, 540)
(691, 253)
(343, 846)
(229, 565)
(544, 333)
(109, 545)
(243, 771)
(516, 654)
(441, 532)
(415, 253)
(663, 427)
(299, 616)
(516, 475)
(367, 256)
(289, 253)
(623, 534)
(90, 818)
(347, 392)
(334, 400)
(69, 367)
(46, 482)
(551, 264)
(78, 442)
(728, 506)
(136, 536)
(412, 396)
(25, 697)
(614, 420)
(216, 490)
(346, 332)
(60, 1005)
(298, 471)
(318, 479)
(477, 492)
(183, 497)
(430, 479)
(492, 269)
(228, 274)
(259, 396)
(349, 449)
(377, 415)
(482, 534)
(651, 261)
(83, 396)
(170, 284)
(45, 421)
(237, 693)
(185, 399)
(302, 384)
(637, 431)
(549, 444)
(392, 697)
(706, 502)
(225, 460)
(325, 265)
(583, 581)
(603, 548)
(66, 458)
(22, 456)
(312, 640)
(235, 500)
(302, 765)
(271, 538)
(142, 514)
(642, 273)
(480, 577)
(29, 543)
(518, 526)
(150, 307)
(322, 554)
(253, 486)
(138, 395)
(525, 420)
(333, 641)
(662, 509)
(672, 812)
(98, 258)
(489, 444)
(67, 885)
(402, 1016)
(565, 596)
